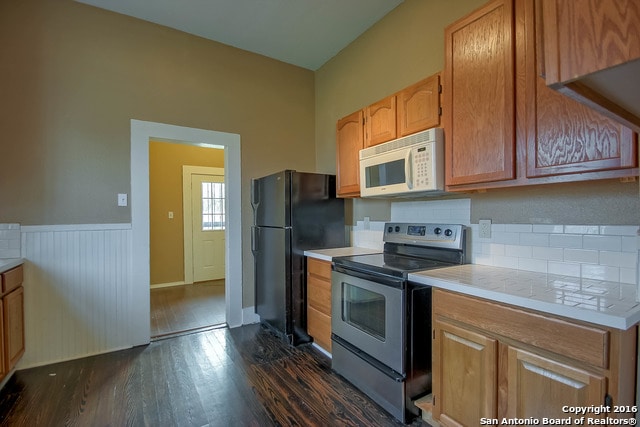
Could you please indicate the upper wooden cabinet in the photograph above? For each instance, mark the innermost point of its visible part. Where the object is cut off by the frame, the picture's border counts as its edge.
(380, 122)
(592, 54)
(413, 109)
(562, 135)
(349, 142)
(419, 106)
(479, 96)
(503, 125)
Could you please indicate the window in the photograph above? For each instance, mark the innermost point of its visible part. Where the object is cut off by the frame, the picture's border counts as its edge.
(212, 206)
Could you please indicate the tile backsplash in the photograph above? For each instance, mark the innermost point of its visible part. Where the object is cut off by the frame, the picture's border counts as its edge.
(10, 243)
(600, 252)
(368, 234)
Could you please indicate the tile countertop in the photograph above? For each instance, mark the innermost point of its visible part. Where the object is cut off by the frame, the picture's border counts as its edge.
(604, 303)
(329, 254)
(9, 263)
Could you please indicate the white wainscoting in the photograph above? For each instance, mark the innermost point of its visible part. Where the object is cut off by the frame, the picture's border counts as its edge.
(78, 291)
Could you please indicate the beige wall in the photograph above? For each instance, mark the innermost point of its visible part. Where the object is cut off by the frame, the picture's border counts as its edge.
(73, 76)
(408, 45)
(165, 195)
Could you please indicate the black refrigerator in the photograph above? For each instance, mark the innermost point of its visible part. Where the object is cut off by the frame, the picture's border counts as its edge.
(292, 212)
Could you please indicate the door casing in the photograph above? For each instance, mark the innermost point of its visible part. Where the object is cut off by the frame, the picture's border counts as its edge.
(141, 133)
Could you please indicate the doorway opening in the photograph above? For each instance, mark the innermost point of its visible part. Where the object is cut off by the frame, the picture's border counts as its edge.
(141, 135)
(186, 204)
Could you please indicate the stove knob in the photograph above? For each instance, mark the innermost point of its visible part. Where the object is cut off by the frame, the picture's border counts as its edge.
(448, 232)
(390, 229)
(397, 228)
(437, 231)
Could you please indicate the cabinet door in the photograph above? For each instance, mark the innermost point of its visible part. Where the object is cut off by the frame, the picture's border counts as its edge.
(586, 36)
(592, 54)
(319, 327)
(13, 313)
(319, 294)
(349, 140)
(380, 122)
(539, 387)
(479, 96)
(419, 106)
(564, 136)
(464, 375)
(3, 365)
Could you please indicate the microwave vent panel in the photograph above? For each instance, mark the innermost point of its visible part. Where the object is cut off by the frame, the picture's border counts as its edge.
(416, 138)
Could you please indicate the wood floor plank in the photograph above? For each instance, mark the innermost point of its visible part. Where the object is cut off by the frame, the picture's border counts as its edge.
(244, 376)
(187, 307)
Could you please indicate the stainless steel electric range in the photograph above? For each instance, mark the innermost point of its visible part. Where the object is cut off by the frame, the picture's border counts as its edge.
(381, 322)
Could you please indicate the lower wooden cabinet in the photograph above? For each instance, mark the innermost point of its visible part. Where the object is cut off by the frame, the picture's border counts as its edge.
(319, 302)
(537, 384)
(11, 319)
(3, 368)
(493, 361)
(466, 389)
(13, 313)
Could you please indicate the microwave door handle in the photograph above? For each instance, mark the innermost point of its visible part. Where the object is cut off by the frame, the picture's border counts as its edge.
(408, 169)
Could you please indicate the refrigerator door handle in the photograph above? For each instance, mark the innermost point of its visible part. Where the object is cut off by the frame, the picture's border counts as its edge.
(255, 194)
(254, 239)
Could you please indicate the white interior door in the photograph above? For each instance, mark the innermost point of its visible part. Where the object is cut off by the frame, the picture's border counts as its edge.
(208, 226)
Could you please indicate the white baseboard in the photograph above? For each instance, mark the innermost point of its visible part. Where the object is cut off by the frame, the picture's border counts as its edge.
(249, 316)
(167, 285)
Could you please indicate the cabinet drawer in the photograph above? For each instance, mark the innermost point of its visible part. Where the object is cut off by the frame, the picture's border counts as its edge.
(319, 295)
(319, 268)
(11, 279)
(588, 344)
(319, 327)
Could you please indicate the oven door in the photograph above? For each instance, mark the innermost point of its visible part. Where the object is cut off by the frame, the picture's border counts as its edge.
(370, 316)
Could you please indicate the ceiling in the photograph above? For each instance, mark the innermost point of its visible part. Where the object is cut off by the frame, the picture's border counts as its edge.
(306, 33)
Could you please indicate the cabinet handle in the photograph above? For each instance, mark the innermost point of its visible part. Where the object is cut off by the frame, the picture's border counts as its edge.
(608, 400)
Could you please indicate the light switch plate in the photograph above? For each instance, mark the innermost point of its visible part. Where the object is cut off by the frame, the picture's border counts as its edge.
(122, 199)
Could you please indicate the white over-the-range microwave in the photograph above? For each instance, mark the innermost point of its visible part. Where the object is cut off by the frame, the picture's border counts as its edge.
(409, 166)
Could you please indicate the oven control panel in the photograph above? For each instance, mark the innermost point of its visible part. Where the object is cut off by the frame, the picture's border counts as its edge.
(450, 236)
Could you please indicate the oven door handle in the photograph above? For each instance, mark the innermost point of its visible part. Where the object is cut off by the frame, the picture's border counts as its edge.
(385, 280)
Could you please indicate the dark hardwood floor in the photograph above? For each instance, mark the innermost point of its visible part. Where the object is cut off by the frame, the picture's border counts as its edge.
(221, 377)
(187, 307)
